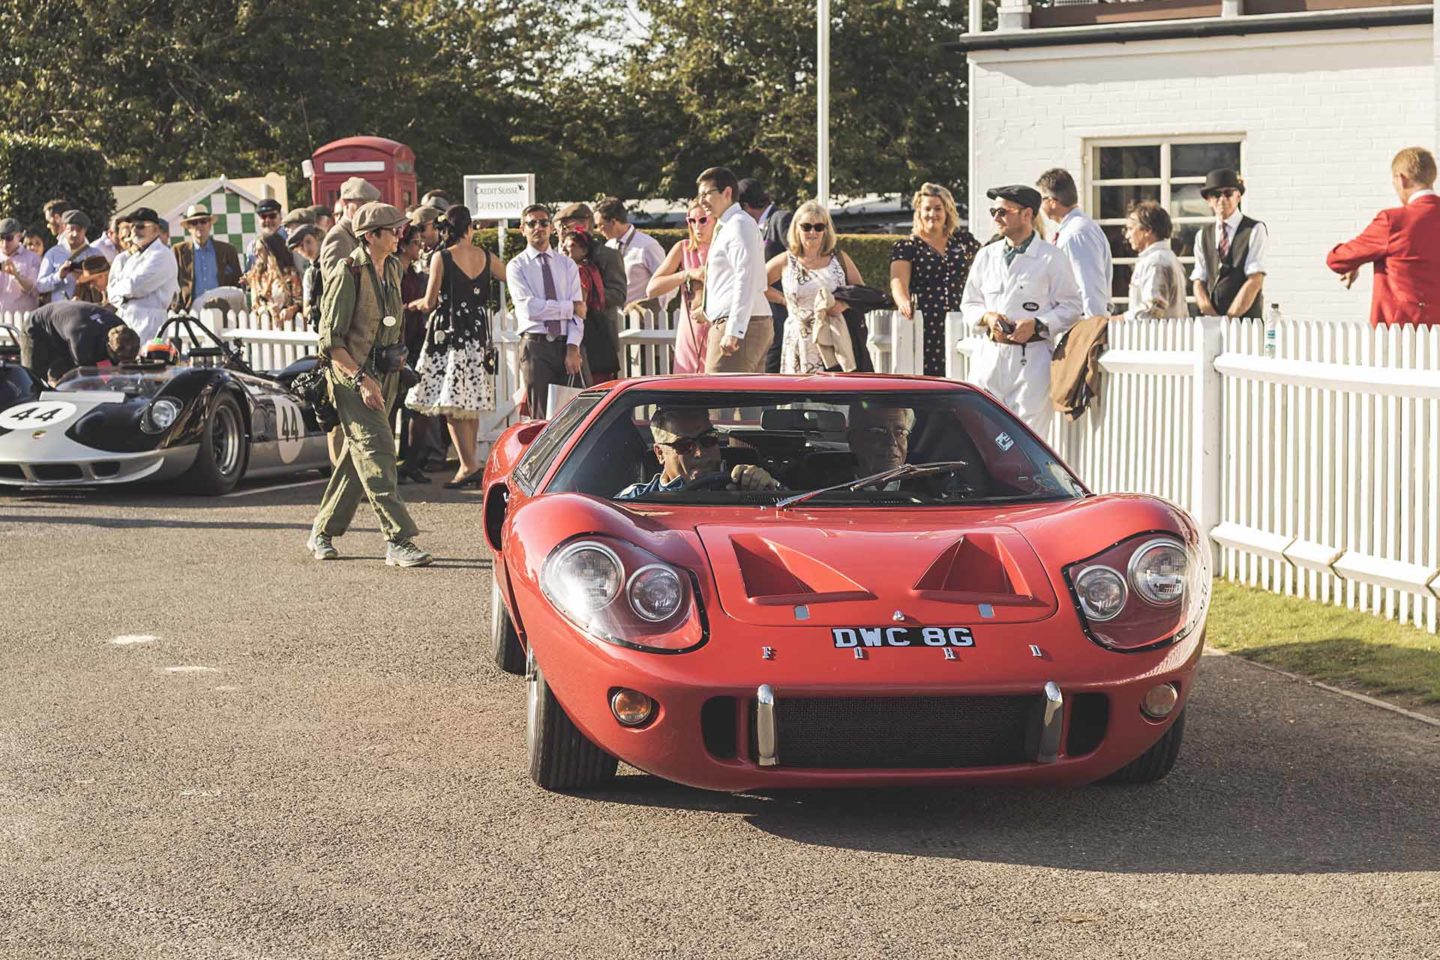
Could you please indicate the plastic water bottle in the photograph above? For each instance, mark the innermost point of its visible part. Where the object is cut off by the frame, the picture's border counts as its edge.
(1272, 330)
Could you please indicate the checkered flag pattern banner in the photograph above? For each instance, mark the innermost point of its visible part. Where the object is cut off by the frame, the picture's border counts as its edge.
(234, 219)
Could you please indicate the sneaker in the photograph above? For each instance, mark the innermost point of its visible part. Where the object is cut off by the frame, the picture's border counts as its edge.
(319, 544)
(403, 553)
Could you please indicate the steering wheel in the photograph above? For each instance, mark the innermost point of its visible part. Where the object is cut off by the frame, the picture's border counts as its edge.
(710, 481)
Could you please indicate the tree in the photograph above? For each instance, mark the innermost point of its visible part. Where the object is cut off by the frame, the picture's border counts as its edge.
(735, 84)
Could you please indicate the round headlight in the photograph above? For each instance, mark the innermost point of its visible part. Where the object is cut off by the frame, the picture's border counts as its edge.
(585, 577)
(655, 592)
(1102, 593)
(162, 414)
(1158, 571)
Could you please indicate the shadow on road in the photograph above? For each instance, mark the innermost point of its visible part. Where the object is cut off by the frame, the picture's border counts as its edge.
(1275, 787)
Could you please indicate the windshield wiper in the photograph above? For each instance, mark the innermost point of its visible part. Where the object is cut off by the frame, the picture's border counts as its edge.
(884, 476)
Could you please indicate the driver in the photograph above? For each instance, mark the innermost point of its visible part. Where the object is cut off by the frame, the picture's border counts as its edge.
(879, 438)
(688, 448)
(61, 336)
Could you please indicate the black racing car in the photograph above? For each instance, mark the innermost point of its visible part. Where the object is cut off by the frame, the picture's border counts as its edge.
(206, 419)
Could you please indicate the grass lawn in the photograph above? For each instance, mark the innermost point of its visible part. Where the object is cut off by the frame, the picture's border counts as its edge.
(1342, 647)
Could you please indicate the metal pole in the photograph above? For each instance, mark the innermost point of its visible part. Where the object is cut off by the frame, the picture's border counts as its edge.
(822, 102)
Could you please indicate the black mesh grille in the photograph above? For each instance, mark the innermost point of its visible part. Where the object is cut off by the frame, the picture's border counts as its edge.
(57, 471)
(1089, 716)
(904, 732)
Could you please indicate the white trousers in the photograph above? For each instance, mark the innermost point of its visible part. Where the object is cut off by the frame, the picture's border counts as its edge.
(1019, 376)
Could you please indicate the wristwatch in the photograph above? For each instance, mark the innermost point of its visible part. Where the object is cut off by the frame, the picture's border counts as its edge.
(1042, 330)
(359, 378)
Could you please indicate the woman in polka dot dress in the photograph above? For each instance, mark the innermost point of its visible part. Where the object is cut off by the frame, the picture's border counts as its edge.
(928, 269)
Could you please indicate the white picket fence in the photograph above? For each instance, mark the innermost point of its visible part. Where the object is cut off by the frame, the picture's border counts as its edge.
(1316, 472)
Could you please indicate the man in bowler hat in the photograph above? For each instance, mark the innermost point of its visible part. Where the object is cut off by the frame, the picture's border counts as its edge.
(1229, 273)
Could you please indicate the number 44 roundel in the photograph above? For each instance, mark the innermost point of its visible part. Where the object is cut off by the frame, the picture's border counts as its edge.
(43, 413)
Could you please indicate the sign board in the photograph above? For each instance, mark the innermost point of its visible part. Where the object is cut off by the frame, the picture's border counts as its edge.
(499, 196)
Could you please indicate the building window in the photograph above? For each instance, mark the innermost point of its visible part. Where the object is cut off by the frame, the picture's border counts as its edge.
(1169, 171)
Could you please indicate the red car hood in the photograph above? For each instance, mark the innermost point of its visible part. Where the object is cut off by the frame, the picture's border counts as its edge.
(863, 573)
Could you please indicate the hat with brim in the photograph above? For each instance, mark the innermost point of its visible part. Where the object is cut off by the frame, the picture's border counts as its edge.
(299, 217)
(298, 235)
(267, 206)
(76, 218)
(1017, 193)
(358, 188)
(575, 211)
(424, 214)
(10, 225)
(141, 215)
(196, 214)
(378, 216)
(1217, 180)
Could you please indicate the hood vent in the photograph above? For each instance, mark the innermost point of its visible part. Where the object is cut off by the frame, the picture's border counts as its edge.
(775, 574)
(977, 568)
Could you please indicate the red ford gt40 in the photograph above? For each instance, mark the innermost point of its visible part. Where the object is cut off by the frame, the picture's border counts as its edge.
(740, 582)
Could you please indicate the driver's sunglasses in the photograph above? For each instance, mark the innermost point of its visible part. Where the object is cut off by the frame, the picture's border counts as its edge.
(685, 446)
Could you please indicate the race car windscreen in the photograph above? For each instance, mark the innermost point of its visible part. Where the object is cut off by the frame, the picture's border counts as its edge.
(908, 448)
(134, 383)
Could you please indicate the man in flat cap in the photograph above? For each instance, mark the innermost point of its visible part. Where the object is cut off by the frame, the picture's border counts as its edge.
(1229, 274)
(294, 220)
(354, 193)
(425, 217)
(324, 218)
(267, 219)
(360, 334)
(1022, 291)
(19, 269)
(61, 263)
(202, 262)
(144, 279)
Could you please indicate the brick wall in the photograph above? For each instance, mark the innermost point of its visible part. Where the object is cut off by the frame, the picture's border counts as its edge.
(1321, 114)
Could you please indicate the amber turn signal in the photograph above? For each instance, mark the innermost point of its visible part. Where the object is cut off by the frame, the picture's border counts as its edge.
(631, 707)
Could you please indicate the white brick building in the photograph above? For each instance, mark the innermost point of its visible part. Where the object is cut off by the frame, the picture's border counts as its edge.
(1310, 103)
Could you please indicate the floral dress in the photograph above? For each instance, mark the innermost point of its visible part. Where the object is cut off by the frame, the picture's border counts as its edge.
(937, 282)
(457, 362)
(799, 351)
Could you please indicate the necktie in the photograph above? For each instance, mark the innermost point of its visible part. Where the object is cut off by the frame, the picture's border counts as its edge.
(1224, 246)
(552, 327)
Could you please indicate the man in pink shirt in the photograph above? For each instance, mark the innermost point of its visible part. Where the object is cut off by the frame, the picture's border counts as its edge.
(19, 268)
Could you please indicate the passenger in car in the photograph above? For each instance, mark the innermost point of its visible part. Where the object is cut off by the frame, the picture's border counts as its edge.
(687, 445)
(879, 437)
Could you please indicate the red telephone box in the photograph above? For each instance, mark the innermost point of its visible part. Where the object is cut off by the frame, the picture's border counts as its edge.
(388, 165)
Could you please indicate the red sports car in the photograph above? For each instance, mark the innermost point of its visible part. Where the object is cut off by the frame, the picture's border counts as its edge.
(739, 582)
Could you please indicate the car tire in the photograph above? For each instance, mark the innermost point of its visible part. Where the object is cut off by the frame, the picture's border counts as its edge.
(224, 449)
(1155, 763)
(561, 757)
(505, 648)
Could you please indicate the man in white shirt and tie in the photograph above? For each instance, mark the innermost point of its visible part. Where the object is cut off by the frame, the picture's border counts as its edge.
(734, 281)
(549, 310)
(1080, 239)
(641, 253)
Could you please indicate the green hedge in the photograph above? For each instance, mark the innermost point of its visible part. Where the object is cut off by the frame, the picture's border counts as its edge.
(870, 251)
(36, 170)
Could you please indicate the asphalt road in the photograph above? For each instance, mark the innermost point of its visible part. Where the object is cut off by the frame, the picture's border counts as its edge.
(313, 760)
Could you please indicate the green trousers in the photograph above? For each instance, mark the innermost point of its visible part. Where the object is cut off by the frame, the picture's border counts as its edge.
(366, 467)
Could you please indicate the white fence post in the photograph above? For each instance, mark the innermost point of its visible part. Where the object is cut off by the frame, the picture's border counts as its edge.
(1206, 463)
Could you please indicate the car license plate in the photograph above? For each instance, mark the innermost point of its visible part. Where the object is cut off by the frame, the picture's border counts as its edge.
(852, 637)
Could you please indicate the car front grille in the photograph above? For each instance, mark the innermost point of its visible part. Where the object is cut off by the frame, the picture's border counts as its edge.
(850, 733)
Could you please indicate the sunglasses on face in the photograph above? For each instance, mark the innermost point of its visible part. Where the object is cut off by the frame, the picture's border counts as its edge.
(1000, 213)
(537, 224)
(685, 446)
(1227, 194)
(812, 227)
(698, 221)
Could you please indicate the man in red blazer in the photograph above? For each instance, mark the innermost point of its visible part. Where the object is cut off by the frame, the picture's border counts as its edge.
(1404, 245)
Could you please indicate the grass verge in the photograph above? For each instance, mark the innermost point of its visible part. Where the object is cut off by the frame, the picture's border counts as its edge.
(1342, 647)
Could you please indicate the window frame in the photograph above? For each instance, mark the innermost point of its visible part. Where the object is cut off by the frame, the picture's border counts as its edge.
(1165, 182)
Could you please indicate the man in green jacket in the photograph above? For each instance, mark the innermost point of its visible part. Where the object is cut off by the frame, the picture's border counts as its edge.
(359, 319)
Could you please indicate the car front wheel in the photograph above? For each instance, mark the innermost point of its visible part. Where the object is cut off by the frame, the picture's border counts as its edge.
(1155, 763)
(220, 461)
(561, 757)
(505, 647)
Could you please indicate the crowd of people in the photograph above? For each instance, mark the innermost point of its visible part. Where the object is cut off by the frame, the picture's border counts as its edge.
(403, 301)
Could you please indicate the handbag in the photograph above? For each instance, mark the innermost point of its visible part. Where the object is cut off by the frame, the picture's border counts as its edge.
(862, 298)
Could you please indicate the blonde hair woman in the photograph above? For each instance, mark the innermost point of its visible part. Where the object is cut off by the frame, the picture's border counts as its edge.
(815, 337)
(684, 269)
(928, 269)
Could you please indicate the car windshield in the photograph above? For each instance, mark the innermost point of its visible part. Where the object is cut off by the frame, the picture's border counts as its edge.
(136, 383)
(908, 448)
